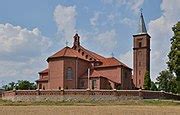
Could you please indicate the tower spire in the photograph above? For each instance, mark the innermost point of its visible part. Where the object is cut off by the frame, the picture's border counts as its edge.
(142, 26)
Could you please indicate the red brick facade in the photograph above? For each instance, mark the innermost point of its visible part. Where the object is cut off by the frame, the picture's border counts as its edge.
(141, 58)
(68, 69)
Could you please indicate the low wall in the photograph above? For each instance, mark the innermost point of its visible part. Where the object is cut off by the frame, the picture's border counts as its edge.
(85, 95)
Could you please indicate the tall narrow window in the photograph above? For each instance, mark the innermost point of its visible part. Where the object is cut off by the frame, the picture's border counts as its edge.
(139, 81)
(69, 73)
(140, 44)
(139, 72)
(93, 84)
(40, 86)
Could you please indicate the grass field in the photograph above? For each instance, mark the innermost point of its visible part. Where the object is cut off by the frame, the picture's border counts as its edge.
(90, 110)
(93, 103)
(130, 107)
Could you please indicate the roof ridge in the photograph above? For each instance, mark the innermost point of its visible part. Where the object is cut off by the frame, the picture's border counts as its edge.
(91, 53)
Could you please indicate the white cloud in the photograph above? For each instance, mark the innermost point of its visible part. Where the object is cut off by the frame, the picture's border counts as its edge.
(134, 5)
(21, 52)
(65, 17)
(126, 58)
(161, 33)
(129, 22)
(107, 40)
(94, 19)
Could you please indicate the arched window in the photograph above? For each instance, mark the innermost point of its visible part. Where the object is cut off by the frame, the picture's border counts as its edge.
(69, 73)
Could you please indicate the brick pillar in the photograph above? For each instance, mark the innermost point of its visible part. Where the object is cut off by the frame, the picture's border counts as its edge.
(37, 92)
(141, 93)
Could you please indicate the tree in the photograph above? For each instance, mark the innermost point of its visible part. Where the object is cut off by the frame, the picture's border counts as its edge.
(20, 85)
(174, 55)
(25, 85)
(166, 81)
(147, 81)
(153, 86)
(9, 86)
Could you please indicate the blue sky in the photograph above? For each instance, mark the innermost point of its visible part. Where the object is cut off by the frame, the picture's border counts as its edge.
(30, 31)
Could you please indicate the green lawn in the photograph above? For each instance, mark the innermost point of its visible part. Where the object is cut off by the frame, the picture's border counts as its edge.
(85, 103)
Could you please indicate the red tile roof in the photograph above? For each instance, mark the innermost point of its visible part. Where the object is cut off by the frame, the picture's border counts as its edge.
(67, 52)
(92, 54)
(107, 74)
(108, 62)
(44, 71)
(42, 80)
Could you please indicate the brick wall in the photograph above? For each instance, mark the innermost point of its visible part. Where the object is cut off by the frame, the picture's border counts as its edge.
(56, 73)
(80, 95)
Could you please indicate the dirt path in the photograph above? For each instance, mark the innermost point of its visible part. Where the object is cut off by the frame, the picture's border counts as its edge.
(89, 110)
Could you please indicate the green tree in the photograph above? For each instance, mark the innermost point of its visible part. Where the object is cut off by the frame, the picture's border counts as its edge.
(174, 56)
(9, 86)
(166, 81)
(153, 86)
(20, 85)
(147, 81)
(25, 85)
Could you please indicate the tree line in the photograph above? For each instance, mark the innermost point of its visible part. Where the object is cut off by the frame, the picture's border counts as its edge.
(20, 85)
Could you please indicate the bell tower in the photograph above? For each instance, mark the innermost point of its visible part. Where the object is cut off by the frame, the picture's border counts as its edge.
(76, 40)
(141, 54)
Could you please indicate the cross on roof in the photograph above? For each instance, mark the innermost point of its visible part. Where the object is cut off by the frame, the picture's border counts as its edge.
(112, 54)
(67, 43)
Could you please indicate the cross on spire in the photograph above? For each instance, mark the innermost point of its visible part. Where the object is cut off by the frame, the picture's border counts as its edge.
(141, 10)
(67, 43)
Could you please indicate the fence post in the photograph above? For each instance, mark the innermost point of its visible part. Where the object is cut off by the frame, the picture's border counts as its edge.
(62, 91)
(115, 92)
(37, 92)
(140, 93)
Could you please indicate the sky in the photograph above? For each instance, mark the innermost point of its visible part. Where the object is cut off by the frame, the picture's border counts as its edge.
(31, 31)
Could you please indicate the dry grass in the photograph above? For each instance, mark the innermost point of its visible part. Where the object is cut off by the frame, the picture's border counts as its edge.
(89, 110)
(128, 107)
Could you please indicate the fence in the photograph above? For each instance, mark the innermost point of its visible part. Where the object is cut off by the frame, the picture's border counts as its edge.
(80, 95)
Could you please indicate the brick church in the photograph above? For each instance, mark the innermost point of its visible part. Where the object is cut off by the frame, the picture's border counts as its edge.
(79, 68)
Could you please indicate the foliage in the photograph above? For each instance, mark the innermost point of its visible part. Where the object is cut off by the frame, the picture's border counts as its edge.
(174, 59)
(9, 86)
(20, 85)
(174, 54)
(153, 86)
(147, 81)
(166, 81)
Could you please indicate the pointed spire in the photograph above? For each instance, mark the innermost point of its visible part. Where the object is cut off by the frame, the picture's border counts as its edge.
(142, 26)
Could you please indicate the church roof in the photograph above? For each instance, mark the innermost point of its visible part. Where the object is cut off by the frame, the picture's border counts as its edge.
(67, 52)
(106, 74)
(108, 62)
(92, 54)
(44, 71)
(142, 26)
